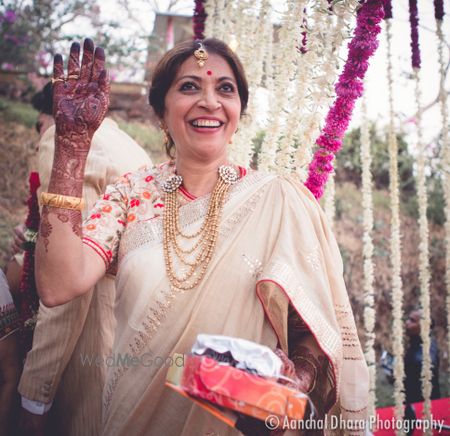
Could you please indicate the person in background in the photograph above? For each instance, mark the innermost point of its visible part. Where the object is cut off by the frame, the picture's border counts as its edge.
(9, 357)
(61, 387)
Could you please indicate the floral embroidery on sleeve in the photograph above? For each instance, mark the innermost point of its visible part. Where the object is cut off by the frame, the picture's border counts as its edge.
(106, 222)
(133, 198)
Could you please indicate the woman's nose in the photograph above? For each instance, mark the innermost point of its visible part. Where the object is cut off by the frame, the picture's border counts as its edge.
(209, 100)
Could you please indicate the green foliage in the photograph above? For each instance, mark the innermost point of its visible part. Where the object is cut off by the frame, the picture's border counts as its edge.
(349, 161)
(21, 113)
(257, 144)
(435, 211)
(31, 31)
(348, 168)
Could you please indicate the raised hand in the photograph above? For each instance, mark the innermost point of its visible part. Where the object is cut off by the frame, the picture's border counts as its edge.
(80, 99)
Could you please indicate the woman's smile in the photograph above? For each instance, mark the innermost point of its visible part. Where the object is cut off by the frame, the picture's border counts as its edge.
(206, 125)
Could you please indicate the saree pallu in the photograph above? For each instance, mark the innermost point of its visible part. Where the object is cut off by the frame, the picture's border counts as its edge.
(274, 250)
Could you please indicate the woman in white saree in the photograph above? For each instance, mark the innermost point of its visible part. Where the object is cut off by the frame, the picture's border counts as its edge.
(234, 252)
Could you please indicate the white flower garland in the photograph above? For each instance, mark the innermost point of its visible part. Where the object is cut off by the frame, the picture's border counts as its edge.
(397, 286)
(369, 292)
(211, 19)
(445, 165)
(218, 25)
(284, 72)
(330, 196)
(252, 53)
(326, 35)
(424, 271)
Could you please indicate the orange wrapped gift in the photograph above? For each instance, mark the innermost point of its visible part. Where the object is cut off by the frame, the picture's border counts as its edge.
(212, 384)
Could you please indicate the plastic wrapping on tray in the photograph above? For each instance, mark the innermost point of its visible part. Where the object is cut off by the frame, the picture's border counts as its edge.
(226, 389)
(248, 355)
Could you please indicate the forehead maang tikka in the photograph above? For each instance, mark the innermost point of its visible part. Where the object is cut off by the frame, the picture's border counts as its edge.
(201, 55)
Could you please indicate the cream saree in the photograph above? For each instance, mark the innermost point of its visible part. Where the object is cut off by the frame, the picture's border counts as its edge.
(275, 255)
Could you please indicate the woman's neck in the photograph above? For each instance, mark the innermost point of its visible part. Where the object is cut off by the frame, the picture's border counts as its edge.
(199, 178)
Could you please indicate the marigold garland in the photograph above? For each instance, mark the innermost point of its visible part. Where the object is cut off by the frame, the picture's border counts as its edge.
(348, 89)
(395, 243)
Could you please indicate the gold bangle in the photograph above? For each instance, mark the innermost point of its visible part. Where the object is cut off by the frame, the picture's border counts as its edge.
(62, 201)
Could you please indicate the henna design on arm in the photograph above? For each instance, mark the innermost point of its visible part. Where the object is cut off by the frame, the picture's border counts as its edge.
(312, 366)
(80, 103)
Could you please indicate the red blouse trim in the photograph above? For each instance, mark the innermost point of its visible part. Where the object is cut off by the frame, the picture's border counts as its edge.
(106, 257)
(189, 196)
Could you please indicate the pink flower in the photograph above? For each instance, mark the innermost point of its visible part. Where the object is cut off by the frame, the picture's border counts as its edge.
(348, 89)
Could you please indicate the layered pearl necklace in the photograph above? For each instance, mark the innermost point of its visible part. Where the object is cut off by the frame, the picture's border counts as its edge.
(196, 258)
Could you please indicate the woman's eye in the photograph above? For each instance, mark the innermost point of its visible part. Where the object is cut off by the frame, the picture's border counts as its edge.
(227, 87)
(188, 86)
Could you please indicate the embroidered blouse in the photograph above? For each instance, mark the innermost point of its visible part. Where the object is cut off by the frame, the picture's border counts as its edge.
(136, 197)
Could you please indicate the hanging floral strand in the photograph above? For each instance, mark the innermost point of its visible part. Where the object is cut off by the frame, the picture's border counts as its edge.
(199, 19)
(328, 80)
(317, 95)
(348, 89)
(330, 199)
(395, 244)
(255, 21)
(369, 293)
(29, 300)
(424, 272)
(439, 15)
(285, 63)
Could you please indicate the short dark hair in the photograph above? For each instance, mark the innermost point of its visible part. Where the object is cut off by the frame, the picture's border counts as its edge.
(42, 101)
(168, 66)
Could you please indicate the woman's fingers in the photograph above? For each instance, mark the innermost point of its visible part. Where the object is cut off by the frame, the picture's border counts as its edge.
(103, 82)
(87, 60)
(58, 71)
(99, 64)
(73, 66)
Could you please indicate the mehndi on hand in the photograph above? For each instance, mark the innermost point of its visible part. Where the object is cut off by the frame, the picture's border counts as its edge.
(80, 99)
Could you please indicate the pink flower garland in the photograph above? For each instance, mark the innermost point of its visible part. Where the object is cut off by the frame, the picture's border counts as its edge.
(387, 9)
(438, 9)
(414, 21)
(348, 89)
(199, 19)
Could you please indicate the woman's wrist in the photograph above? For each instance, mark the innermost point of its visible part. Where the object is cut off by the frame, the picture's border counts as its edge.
(69, 163)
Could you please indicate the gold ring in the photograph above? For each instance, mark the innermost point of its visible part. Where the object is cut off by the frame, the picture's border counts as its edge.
(73, 76)
(57, 80)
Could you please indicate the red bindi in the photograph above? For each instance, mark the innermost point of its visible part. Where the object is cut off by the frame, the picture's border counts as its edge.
(209, 72)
